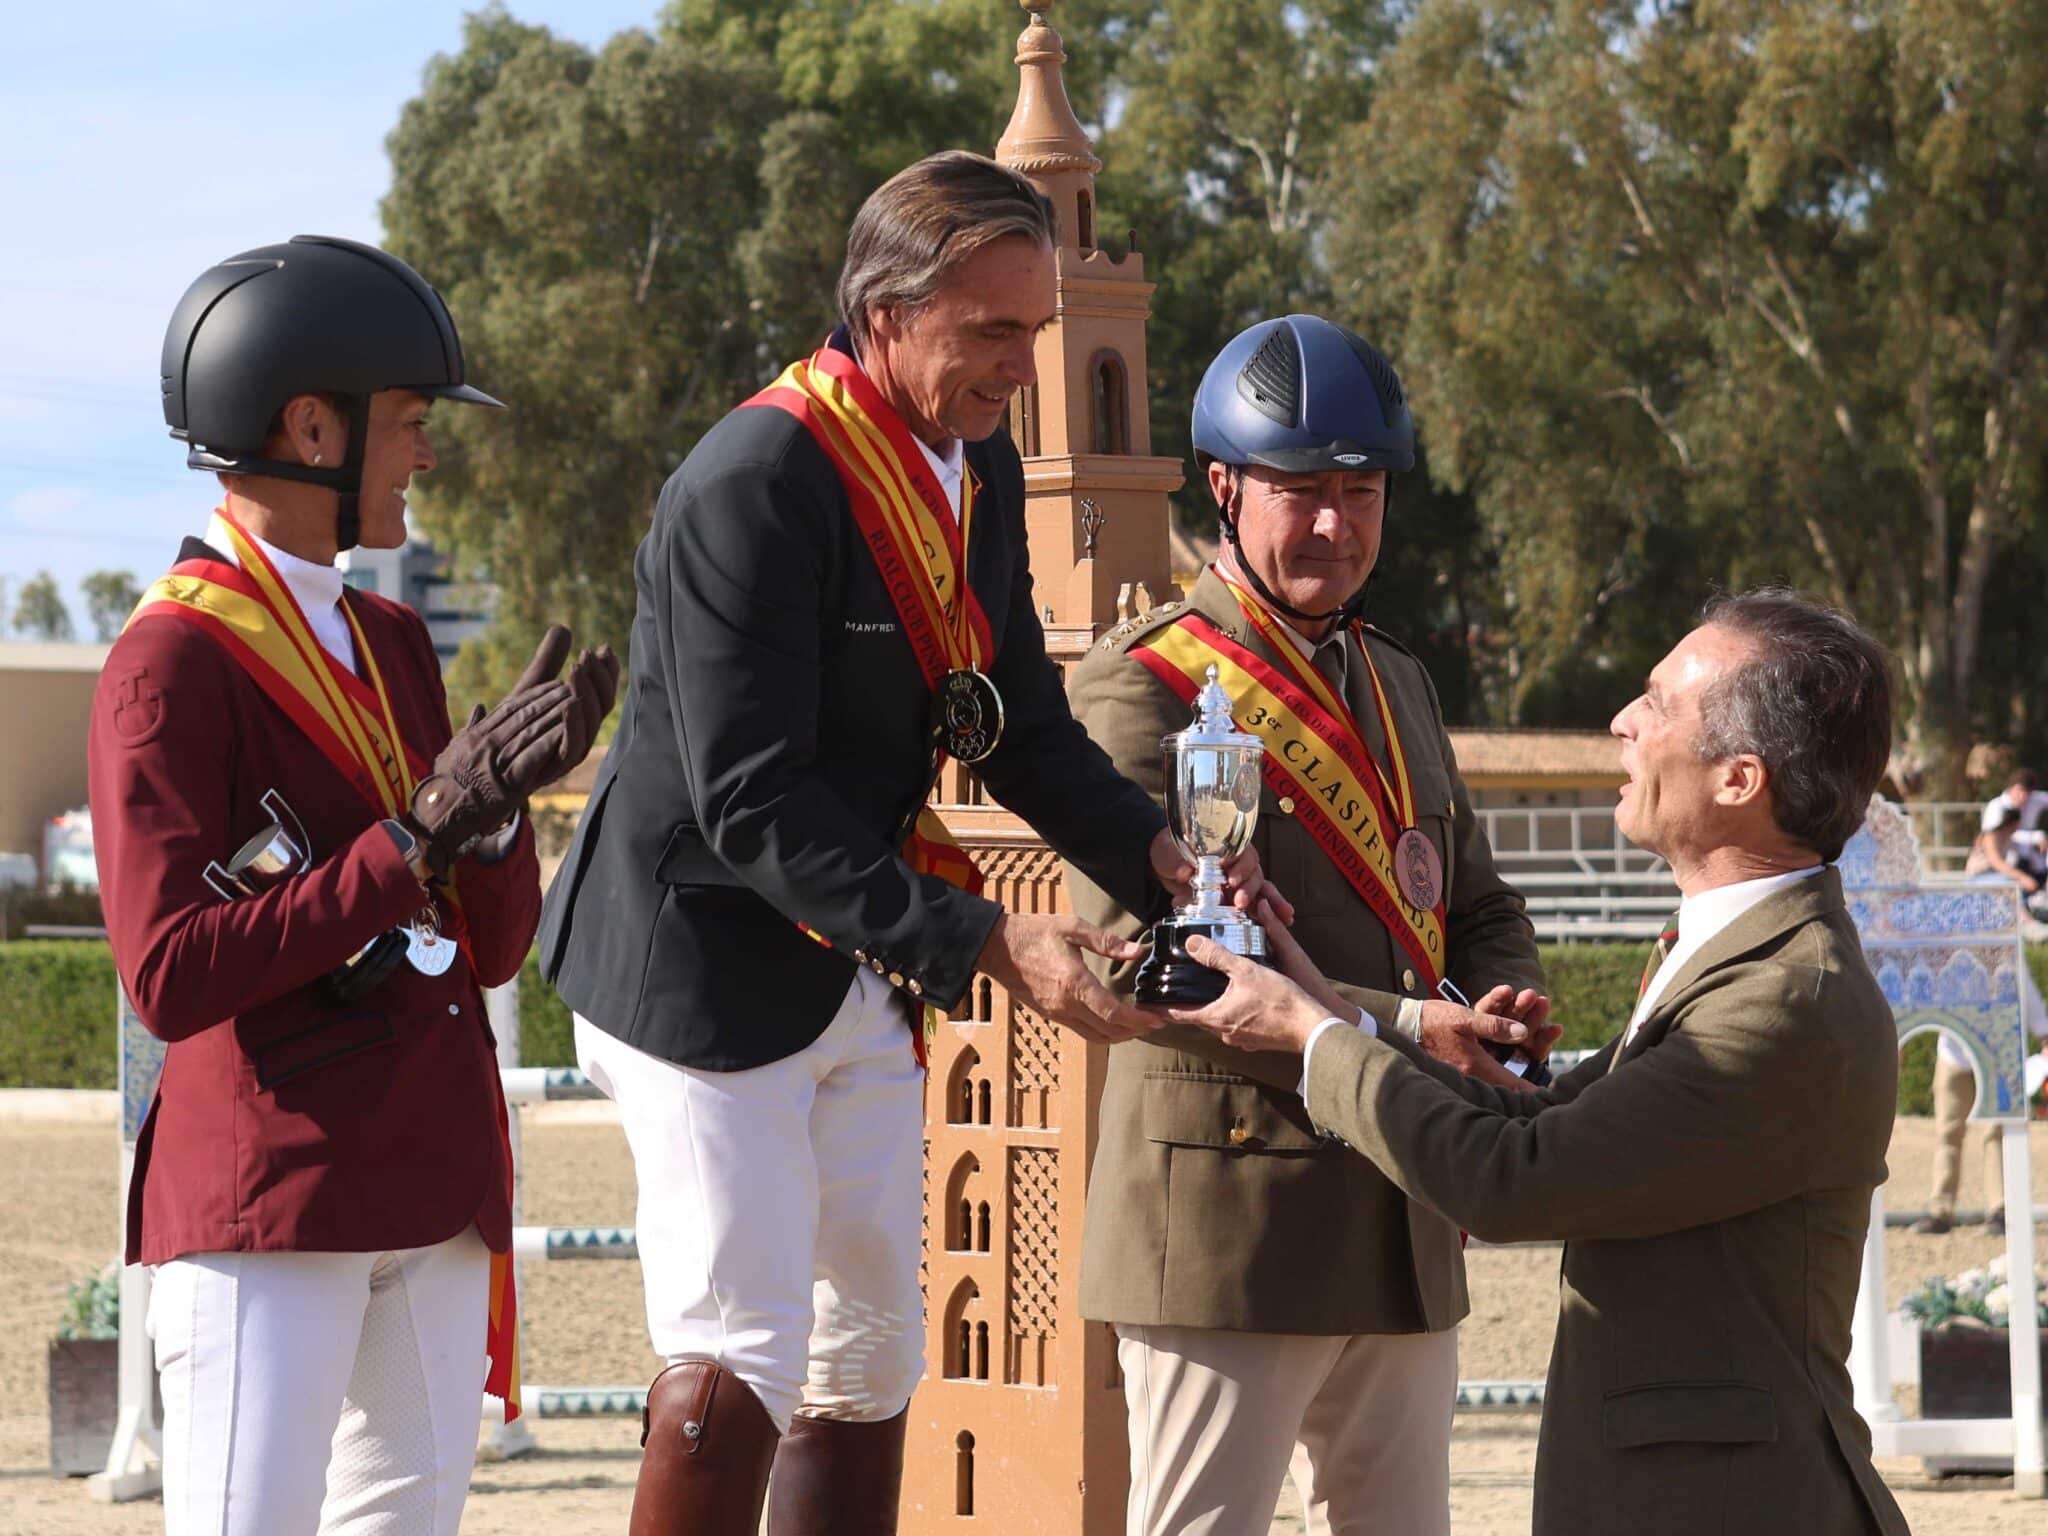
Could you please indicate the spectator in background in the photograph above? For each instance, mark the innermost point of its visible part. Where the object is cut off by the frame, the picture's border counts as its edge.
(1996, 855)
(1998, 851)
(2024, 853)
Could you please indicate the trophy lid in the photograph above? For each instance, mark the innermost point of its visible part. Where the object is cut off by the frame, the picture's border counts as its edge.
(1212, 725)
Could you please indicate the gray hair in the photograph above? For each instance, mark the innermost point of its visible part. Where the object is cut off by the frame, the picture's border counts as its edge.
(926, 219)
(1813, 701)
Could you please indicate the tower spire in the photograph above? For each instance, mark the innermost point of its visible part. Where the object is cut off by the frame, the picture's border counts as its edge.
(1044, 138)
(1095, 497)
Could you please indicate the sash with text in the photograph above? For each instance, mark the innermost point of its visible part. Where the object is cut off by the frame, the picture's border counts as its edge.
(918, 547)
(1316, 757)
(252, 614)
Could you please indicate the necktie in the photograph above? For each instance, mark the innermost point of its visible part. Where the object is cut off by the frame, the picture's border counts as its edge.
(1330, 660)
(1333, 659)
(1659, 953)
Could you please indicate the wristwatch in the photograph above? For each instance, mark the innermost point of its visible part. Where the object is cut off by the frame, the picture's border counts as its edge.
(408, 843)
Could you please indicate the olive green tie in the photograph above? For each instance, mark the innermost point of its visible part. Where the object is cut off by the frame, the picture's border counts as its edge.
(1659, 953)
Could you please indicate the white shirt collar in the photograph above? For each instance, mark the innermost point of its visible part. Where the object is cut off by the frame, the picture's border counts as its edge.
(1311, 649)
(950, 467)
(1701, 918)
(315, 587)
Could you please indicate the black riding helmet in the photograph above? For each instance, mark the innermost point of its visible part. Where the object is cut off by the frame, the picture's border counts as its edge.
(315, 316)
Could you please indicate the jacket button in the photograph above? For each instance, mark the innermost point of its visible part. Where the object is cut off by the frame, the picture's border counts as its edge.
(1287, 805)
(1239, 1135)
(916, 987)
(875, 966)
(861, 955)
(1407, 981)
(895, 978)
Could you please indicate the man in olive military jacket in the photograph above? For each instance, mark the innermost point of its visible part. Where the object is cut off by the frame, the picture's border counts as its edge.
(1710, 1170)
(1268, 1287)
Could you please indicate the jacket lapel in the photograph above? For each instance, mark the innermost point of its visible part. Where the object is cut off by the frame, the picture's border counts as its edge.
(988, 558)
(1212, 600)
(1797, 905)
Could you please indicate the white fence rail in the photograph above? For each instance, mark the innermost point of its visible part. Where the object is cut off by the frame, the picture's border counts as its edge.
(1584, 881)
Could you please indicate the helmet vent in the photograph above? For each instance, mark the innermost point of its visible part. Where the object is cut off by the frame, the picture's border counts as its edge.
(1271, 381)
(1384, 379)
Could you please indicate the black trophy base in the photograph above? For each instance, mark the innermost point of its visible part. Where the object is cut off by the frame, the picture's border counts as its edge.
(1168, 978)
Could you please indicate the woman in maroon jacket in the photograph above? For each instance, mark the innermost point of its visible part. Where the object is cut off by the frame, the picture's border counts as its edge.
(307, 880)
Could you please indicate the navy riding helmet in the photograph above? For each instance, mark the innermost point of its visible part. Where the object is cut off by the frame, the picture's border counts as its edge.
(1306, 396)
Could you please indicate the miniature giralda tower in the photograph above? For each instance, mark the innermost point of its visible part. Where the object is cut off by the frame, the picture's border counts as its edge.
(1096, 498)
(1019, 1423)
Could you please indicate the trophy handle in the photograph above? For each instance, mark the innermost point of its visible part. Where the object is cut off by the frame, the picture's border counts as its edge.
(288, 822)
(220, 880)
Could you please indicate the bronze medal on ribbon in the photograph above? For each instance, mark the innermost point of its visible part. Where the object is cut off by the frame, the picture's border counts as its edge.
(1418, 870)
(967, 715)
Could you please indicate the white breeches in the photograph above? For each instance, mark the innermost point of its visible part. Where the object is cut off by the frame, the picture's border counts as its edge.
(336, 1393)
(779, 1209)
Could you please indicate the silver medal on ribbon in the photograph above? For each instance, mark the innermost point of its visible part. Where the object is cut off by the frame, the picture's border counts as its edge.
(426, 950)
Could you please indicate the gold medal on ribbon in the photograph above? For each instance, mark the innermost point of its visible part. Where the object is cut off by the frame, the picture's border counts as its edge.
(967, 715)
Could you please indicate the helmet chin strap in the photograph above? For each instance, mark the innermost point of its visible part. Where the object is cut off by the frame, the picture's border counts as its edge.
(1352, 608)
(348, 519)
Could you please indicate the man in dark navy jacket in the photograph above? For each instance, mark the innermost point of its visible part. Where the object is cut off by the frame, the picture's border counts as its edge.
(740, 927)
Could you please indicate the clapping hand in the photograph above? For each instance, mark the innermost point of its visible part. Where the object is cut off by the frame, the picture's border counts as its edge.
(539, 731)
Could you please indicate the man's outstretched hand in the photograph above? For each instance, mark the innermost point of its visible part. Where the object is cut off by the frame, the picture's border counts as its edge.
(1037, 959)
(1264, 1009)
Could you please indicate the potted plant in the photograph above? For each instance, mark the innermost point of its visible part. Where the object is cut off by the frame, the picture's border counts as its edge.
(1965, 1350)
(85, 1375)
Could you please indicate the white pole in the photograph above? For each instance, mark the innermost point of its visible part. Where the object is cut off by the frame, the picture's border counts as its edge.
(2028, 1478)
(134, 1461)
(501, 1006)
(1870, 1373)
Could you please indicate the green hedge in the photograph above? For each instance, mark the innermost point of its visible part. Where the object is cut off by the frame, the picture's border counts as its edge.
(57, 1012)
(57, 1016)
(546, 1033)
(1593, 989)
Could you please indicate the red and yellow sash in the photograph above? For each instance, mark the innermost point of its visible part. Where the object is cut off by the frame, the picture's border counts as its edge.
(918, 546)
(1315, 756)
(920, 549)
(252, 614)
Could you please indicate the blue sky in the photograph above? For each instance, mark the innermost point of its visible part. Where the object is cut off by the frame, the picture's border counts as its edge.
(141, 141)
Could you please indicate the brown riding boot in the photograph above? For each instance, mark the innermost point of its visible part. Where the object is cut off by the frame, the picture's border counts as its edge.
(837, 1478)
(707, 1444)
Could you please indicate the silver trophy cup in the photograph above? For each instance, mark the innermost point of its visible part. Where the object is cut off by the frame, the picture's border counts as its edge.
(1212, 804)
(272, 856)
(278, 853)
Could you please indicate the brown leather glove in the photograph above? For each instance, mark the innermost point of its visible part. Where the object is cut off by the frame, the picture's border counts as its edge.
(593, 688)
(538, 732)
